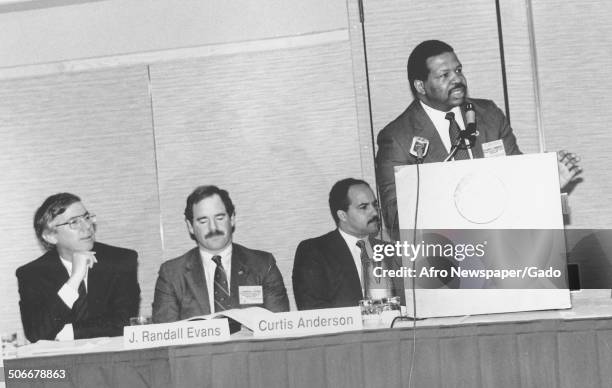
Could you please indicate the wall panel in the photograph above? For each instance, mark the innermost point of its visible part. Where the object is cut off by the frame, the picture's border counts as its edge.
(573, 41)
(117, 27)
(87, 133)
(520, 78)
(275, 128)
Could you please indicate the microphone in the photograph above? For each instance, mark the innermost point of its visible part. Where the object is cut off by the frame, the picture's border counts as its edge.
(470, 132)
(470, 117)
(419, 147)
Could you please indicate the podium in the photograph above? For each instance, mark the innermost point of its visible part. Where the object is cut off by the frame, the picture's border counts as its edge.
(491, 236)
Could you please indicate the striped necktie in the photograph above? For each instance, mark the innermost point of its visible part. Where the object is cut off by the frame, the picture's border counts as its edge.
(221, 289)
(453, 132)
(373, 287)
(367, 270)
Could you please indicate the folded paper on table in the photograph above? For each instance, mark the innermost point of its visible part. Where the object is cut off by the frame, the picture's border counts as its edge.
(45, 347)
(247, 317)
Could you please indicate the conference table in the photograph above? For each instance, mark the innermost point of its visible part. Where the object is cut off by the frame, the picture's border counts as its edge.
(560, 348)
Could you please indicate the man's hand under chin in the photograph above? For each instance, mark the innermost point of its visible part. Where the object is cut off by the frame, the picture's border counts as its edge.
(81, 262)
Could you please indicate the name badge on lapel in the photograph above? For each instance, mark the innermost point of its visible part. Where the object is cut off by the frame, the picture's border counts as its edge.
(493, 149)
(250, 294)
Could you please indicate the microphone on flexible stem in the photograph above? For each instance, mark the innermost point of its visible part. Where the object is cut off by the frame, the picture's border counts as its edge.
(454, 149)
(470, 127)
(467, 137)
(419, 148)
(458, 143)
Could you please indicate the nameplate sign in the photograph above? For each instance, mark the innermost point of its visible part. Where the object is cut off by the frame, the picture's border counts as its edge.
(175, 333)
(309, 322)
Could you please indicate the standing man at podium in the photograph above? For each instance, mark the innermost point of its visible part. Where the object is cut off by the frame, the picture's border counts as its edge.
(437, 116)
(332, 270)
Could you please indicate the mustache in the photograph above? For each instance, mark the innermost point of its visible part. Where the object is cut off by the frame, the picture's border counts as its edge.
(374, 219)
(460, 85)
(214, 233)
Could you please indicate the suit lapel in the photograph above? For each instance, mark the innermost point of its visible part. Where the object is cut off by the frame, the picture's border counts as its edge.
(56, 271)
(99, 279)
(239, 275)
(341, 253)
(424, 127)
(196, 280)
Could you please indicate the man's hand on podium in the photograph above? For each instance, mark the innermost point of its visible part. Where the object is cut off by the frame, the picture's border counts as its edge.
(568, 170)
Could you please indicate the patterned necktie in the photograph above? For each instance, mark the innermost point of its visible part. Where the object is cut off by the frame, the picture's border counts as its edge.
(373, 287)
(367, 269)
(79, 308)
(453, 132)
(221, 289)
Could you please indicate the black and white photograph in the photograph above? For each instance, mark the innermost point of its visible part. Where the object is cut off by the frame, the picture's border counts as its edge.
(285, 193)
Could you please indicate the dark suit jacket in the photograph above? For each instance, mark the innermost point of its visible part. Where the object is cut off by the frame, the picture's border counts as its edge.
(395, 139)
(181, 291)
(113, 295)
(325, 276)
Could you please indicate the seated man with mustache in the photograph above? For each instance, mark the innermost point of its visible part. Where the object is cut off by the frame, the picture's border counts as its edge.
(328, 270)
(217, 274)
(439, 88)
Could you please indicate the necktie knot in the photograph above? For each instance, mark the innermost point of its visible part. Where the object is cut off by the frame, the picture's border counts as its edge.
(217, 260)
(450, 116)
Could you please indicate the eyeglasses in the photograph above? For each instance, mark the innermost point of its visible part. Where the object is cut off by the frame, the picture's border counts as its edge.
(75, 222)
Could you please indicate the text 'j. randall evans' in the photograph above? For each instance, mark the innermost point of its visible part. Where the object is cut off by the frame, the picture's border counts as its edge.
(180, 333)
(175, 333)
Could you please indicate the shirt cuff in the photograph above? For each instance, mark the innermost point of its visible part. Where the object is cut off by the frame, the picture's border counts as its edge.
(66, 334)
(68, 294)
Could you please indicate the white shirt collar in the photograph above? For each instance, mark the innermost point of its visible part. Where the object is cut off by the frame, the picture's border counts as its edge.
(351, 241)
(349, 238)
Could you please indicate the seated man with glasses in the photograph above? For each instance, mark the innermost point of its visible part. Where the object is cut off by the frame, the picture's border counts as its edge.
(79, 288)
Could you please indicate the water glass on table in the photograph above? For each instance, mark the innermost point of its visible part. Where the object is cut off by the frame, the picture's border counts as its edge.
(136, 321)
(370, 313)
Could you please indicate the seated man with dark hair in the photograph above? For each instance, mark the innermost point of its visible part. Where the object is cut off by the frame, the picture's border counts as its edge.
(217, 274)
(332, 270)
(79, 288)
